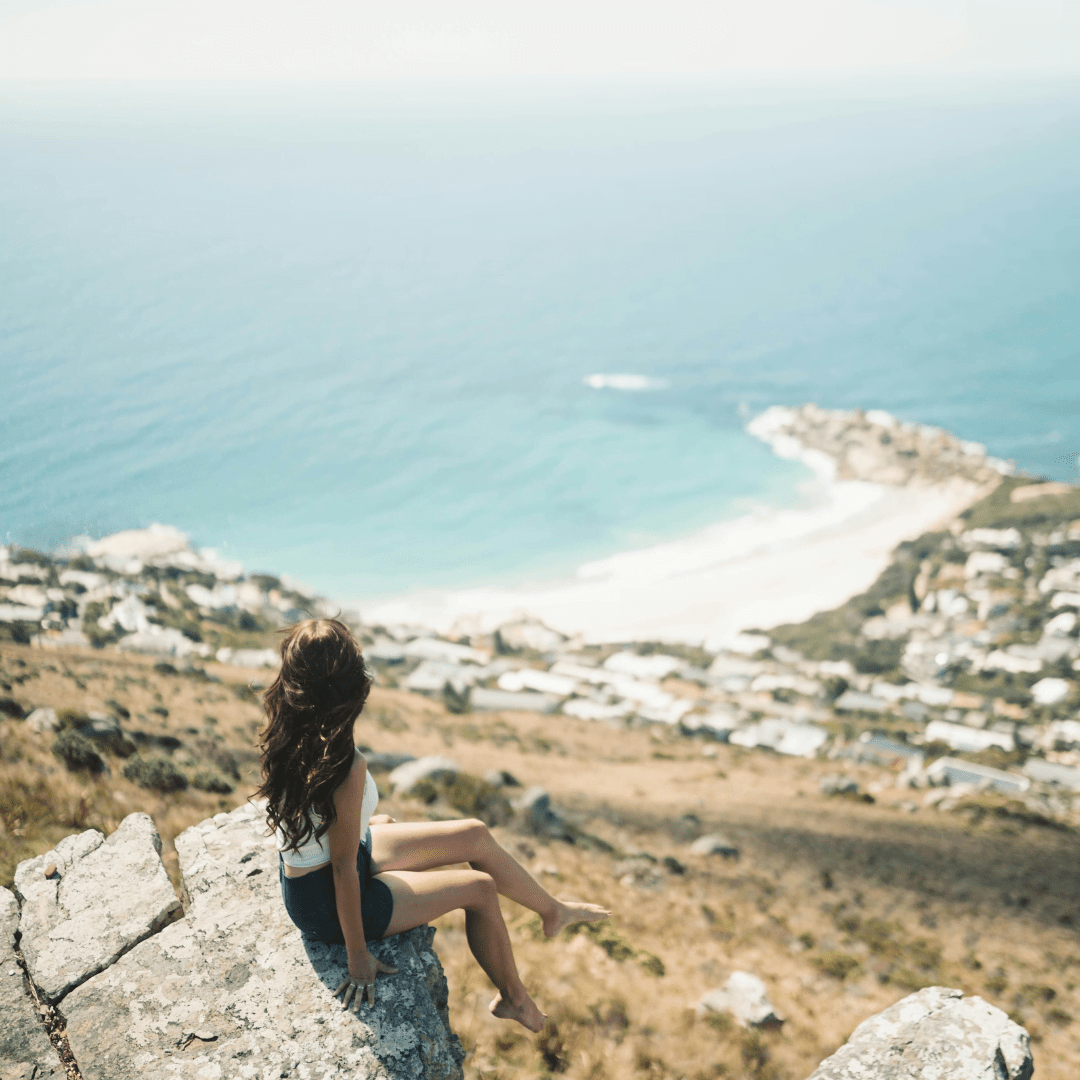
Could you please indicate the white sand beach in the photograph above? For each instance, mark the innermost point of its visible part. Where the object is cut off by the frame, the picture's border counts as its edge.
(768, 567)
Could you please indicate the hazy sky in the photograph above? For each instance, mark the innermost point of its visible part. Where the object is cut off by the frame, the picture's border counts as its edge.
(483, 39)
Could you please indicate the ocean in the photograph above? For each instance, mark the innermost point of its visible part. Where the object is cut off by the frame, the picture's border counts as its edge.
(387, 339)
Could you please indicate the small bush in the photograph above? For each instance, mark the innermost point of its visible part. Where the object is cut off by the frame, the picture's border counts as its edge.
(836, 965)
(650, 963)
(616, 946)
(906, 979)
(77, 752)
(155, 773)
(877, 657)
(476, 797)
(209, 781)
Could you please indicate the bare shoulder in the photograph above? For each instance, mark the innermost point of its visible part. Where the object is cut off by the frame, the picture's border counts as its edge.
(353, 786)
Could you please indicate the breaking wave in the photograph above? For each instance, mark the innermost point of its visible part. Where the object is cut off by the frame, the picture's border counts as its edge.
(624, 382)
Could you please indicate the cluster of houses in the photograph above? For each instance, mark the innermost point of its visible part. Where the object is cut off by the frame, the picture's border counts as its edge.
(987, 640)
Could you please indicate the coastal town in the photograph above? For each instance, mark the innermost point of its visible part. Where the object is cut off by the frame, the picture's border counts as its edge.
(956, 671)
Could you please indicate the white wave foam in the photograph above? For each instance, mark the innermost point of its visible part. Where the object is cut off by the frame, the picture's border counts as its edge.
(624, 382)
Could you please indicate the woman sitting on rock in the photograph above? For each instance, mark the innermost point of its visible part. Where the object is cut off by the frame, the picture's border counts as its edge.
(348, 877)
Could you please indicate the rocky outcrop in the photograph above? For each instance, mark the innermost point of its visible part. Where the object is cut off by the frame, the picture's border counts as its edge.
(935, 1033)
(231, 989)
(89, 900)
(25, 1050)
(874, 446)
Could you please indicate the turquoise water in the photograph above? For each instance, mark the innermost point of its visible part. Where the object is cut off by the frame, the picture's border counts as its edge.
(344, 334)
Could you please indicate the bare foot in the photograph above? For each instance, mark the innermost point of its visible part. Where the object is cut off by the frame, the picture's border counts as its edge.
(527, 1013)
(568, 912)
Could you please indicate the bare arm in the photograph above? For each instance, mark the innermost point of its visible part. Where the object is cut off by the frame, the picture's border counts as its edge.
(344, 839)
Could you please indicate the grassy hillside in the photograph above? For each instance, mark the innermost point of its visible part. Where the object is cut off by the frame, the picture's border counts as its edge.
(841, 906)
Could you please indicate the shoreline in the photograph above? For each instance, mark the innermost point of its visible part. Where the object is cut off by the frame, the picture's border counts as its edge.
(877, 483)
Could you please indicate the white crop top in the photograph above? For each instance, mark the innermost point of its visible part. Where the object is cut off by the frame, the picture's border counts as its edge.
(316, 852)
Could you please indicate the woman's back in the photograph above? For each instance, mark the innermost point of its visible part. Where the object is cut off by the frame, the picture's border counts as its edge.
(316, 852)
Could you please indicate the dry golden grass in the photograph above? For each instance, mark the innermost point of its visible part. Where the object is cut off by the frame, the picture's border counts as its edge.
(841, 907)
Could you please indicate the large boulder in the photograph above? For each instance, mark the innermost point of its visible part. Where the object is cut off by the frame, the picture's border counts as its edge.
(936, 1034)
(89, 900)
(25, 1050)
(232, 990)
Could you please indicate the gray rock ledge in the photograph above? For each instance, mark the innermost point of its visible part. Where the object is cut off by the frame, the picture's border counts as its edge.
(25, 1050)
(232, 991)
(105, 896)
(936, 1034)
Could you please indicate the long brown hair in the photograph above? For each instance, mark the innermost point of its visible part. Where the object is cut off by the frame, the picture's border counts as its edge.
(307, 747)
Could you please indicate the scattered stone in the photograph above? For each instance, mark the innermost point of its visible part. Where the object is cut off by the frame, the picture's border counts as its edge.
(408, 775)
(714, 844)
(110, 894)
(501, 778)
(745, 998)
(673, 866)
(535, 812)
(106, 734)
(639, 870)
(50, 870)
(837, 785)
(936, 1032)
(236, 987)
(382, 762)
(43, 721)
(25, 1050)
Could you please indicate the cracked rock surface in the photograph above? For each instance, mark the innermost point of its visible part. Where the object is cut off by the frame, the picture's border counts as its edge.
(936, 1034)
(232, 990)
(103, 897)
(25, 1050)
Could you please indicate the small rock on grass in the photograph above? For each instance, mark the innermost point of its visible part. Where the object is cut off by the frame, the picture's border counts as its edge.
(714, 844)
(743, 997)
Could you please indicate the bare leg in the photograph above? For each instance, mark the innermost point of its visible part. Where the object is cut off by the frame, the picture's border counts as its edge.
(419, 845)
(421, 897)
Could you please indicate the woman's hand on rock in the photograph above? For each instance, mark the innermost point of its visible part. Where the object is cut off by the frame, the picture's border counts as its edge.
(382, 819)
(361, 980)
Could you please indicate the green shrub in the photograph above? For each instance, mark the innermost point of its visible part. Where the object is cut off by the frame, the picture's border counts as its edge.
(878, 657)
(468, 794)
(650, 963)
(997, 511)
(156, 773)
(77, 752)
(212, 782)
(837, 965)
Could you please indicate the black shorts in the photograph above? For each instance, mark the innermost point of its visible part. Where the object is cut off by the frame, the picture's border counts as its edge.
(311, 905)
